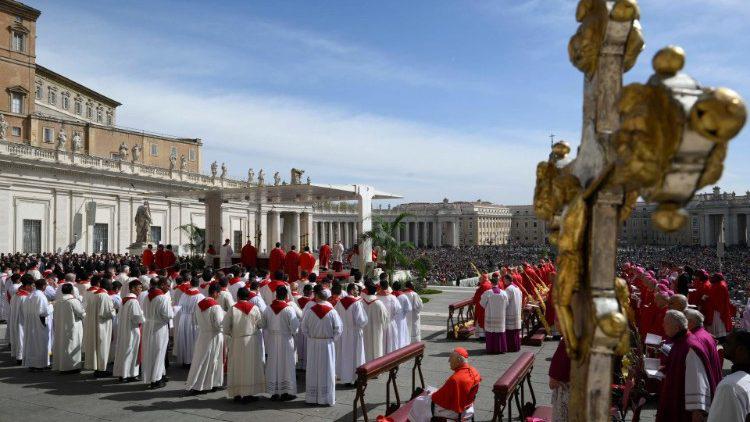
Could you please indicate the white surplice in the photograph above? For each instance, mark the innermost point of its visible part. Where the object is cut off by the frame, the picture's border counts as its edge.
(225, 258)
(68, 327)
(513, 309)
(354, 319)
(392, 340)
(158, 312)
(404, 337)
(377, 323)
(278, 333)
(10, 291)
(321, 325)
(226, 301)
(245, 370)
(186, 327)
(494, 305)
(207, 366)
(15, 323)
(131, 321)
(37, 318)
(117, 304)
(99, 330)
(731, 399)
(300, 343)
(414, 319)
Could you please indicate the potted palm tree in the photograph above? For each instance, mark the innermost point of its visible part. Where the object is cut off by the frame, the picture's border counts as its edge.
(195, 236)
(383, 236)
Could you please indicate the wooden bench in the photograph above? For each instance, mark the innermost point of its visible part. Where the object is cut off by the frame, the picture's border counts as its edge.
(460, 319)
(389, 363)
(510, 387)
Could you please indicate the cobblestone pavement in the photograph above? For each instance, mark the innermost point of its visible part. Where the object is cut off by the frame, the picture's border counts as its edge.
(48, 396)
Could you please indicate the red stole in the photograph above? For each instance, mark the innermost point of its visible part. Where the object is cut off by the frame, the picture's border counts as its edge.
(92, 289)
(252, 294)
(333, 300)
(22, 293)
(235, 280)
(206, 303)
(348, 301)
(192, 291)
(397, 293)
(321, 310)
(278, 305)
(244, 306)
(126, 299)
(153, 293)
(303, 301)
(183, 287)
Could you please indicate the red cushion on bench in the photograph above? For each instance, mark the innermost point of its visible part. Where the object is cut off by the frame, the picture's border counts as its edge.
(461, 303)
(375, 365)
(513, 375)
(402, 413)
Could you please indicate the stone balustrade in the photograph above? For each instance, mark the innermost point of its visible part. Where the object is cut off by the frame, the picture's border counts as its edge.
(75, 159)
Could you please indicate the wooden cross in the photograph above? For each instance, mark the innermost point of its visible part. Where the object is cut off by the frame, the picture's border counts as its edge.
(661, 141)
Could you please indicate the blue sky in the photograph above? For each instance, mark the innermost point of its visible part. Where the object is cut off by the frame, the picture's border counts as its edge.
(428, 99)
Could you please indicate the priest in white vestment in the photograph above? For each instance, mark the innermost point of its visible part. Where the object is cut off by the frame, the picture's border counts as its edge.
(245, 373)
(226, 252)
(68, 329)
(207, 368)
(354, 319)
(513, 315)
(494, 301)
(392, 338)
(15, 323)
(304, 301)
(413, 318)
(226, 300)
(158, 311)
(402, 319)
(113, 290)
(12, 283)
(378, 320)
(321, 325)
(280, 324)
(99, 332)
(37, 317)
(131, 319)
(186, 326)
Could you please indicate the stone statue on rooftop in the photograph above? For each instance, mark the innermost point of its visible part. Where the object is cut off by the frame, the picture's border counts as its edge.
(297, 176)
(62, 138)
(136, 153)
(223, 171)
(77, 142)
(214, 169)
(250, 175)
(172, 162)
(276, 179)
(123, 151)
(183, 163)
(3, 127)
(261, 177)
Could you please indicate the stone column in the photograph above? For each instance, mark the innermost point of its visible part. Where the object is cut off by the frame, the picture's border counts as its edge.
(456, 234)
(364, 210)
(274, 229)
(355, 232)
(261, 235)
(417, 240)
(213, 219)
(7, 226)
(295, 235)
(438, 234)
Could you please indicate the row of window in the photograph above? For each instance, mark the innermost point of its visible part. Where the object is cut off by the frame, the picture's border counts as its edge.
(78, 108)
(154, 151)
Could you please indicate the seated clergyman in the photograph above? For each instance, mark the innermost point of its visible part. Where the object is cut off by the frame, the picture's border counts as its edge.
(455, 399)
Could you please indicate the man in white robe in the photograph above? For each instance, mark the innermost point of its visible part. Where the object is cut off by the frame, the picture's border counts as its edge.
(186, 326)
(245, 373)
(321, 325)
(37, 317)
(207, 368)
(113, 290)
(89, 319)
(68, 328)
(280, 324)
(494, 301)
(15, 321)
(12, 283)
(99, 332)
(236, 282)
(731, 400)
(226, 300)
(402, 319)
(158, 312)
(226, 252)
(124, 279)
(306, 300)
(378, 320)
(513, 315)
(392, 338)
(413, 318)
(354, 319)
(131, 319)
(70, 278)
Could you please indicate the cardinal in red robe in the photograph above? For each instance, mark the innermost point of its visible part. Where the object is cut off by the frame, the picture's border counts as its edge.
(324, 256)
(719, 309)
(484, 285)
(249, 255)
(160, 257)
(147, 259)
(276, 259)
(291, 264)
(307, 261)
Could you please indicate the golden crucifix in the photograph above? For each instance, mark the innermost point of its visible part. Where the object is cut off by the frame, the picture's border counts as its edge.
(661, 141)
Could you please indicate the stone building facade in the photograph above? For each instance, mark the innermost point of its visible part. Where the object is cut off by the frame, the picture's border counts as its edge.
(50, 111)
